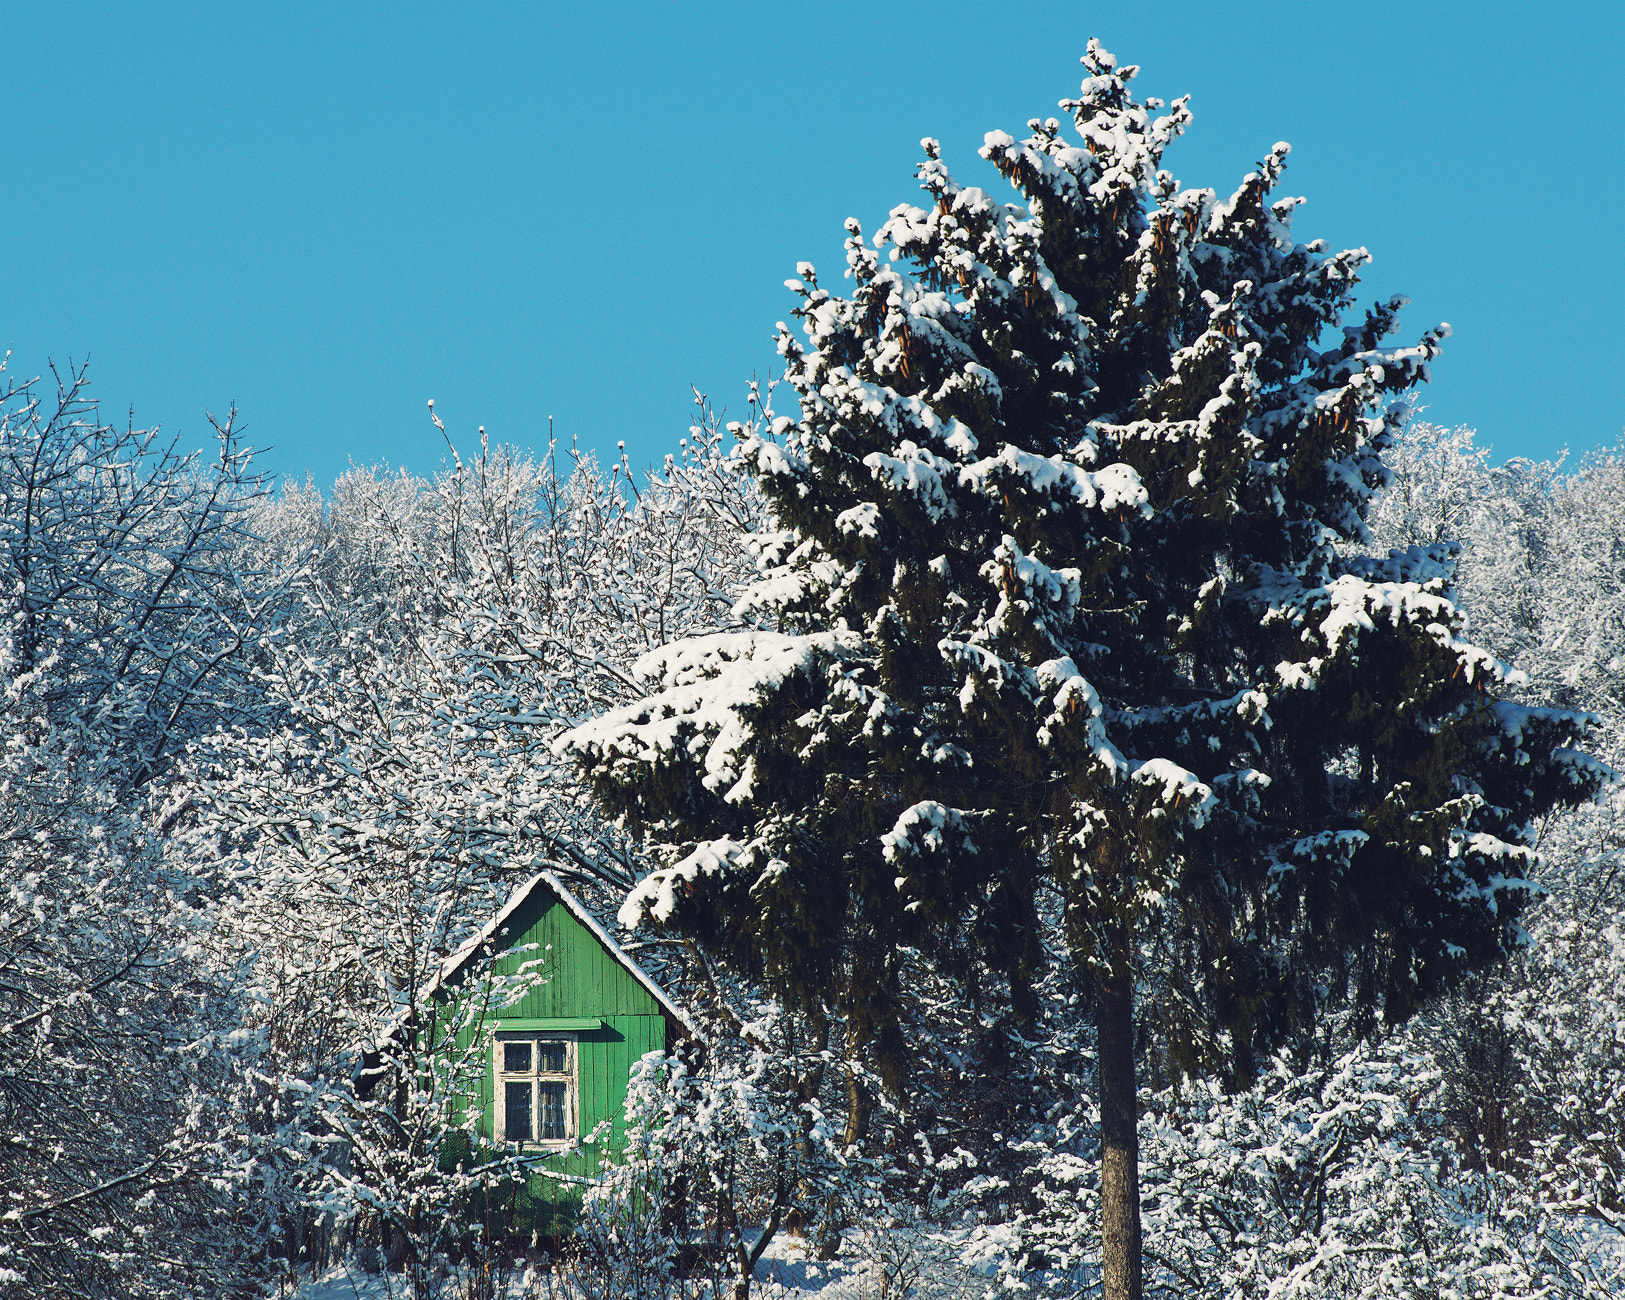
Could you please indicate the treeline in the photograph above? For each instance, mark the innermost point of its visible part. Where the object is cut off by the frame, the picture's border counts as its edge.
(269, 757)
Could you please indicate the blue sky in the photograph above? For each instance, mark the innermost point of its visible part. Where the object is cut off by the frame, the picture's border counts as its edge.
(332, 213)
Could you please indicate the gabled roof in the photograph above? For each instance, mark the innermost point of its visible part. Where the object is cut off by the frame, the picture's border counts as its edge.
(548, 881)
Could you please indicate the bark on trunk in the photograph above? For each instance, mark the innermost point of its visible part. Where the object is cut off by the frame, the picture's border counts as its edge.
(1119, 1137)
(810, 1084)
(857, 1108)
(857, 1096)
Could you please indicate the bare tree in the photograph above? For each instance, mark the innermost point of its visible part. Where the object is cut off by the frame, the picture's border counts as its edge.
(128, 628)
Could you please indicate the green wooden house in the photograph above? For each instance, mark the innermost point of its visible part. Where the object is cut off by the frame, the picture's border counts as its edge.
(555, 1061)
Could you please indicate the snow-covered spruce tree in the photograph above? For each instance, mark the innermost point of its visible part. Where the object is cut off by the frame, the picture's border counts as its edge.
(1055, 601)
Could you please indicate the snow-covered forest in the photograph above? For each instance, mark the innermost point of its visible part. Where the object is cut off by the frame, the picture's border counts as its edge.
(271, 755)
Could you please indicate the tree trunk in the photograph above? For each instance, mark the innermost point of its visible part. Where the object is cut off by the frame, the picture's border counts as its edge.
(1119, 1136)
(857, 1096)
(810, 1084)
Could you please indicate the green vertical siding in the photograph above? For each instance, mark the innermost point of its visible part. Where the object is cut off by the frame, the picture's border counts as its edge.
(581, 977)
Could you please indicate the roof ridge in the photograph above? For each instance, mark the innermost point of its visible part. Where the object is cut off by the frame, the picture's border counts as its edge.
(470, 946)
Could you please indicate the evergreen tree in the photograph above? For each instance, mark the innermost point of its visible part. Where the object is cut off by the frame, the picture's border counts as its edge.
(1065, 604)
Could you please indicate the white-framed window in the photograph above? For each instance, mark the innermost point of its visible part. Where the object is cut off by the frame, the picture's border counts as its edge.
(535, 1077)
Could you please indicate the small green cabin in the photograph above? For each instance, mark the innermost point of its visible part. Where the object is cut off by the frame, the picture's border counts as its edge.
(557, 1060)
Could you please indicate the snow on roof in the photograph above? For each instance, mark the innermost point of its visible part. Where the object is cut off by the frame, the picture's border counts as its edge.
(577, 909)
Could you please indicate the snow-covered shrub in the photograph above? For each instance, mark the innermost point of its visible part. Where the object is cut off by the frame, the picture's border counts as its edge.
(117, 1128)
(718, 1157)
(1331, 1178)
(391, 1159)
(1561, 1008)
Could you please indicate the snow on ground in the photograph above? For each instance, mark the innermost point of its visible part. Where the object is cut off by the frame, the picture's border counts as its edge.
(897, 1264)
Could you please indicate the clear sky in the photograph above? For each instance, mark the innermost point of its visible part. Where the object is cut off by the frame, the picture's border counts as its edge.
(332, 213)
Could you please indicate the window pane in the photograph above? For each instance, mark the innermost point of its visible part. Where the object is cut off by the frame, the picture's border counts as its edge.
(516, 1112)
(516, 1058)
(552, 1056)
(552, 1110)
